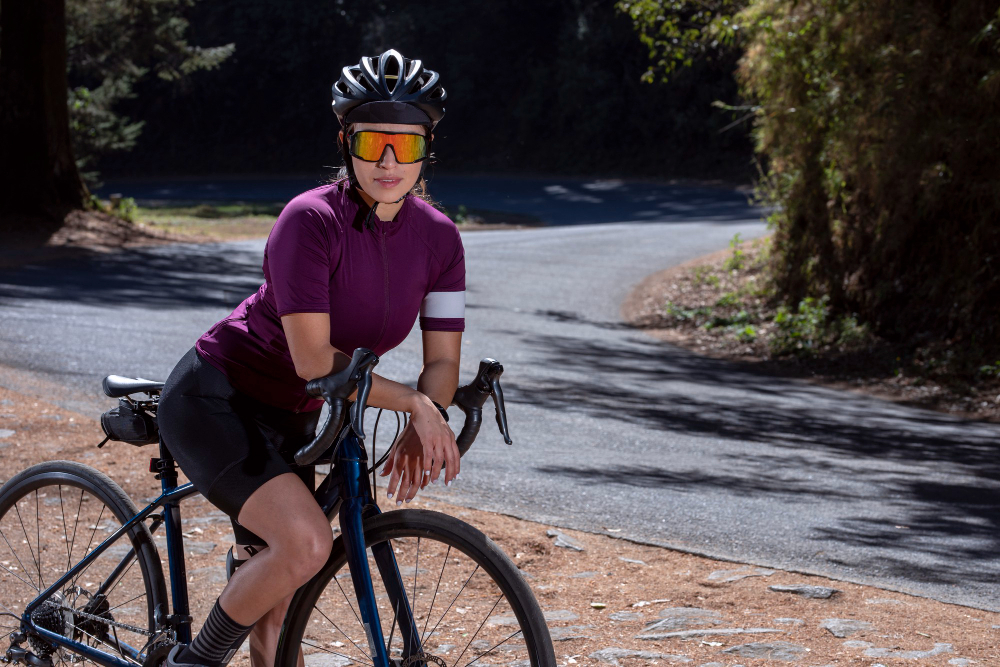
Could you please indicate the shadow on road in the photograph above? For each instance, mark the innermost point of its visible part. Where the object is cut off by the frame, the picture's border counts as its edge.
(852, 446)
(170, 276)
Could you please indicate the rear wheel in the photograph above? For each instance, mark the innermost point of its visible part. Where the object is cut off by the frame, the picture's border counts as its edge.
(51, 516)
(469, 601)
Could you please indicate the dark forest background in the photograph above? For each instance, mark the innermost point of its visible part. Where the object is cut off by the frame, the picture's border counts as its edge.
(544, 86)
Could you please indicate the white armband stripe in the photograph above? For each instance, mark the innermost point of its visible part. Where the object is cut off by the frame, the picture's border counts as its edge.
(443, 304)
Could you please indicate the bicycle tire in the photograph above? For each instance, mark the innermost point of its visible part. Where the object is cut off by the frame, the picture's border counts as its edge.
(408, 531)
(49, 497)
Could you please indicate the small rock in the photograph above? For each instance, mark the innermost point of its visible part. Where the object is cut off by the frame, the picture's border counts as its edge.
(631, 560)
(773, 651)
(6, 401)
(583, 575)
(855, 643)
(563, 540)
(845, 627)
(816, 592)
(613, 655)
(7, 415)
(598, 605)
(713, 664)
(54, 417)
(625, 616)
(685, 618)
(908, 655)
(690, 634)
(960, 662)
(6, 432)
(727, 576)
(789, 621)
(561, 634)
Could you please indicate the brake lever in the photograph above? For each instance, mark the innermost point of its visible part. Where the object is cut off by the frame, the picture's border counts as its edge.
(361, 401)
(497, 393)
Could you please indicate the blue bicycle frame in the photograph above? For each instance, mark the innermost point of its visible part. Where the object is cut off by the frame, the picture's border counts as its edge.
(346, 490)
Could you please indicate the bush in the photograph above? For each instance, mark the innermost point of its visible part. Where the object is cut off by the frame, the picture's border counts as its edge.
(877, 121)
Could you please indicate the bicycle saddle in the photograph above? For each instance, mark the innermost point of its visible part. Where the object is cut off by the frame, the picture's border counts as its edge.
(117, 386)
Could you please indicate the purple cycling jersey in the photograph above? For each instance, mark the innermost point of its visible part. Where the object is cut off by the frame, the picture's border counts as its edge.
(373, 283)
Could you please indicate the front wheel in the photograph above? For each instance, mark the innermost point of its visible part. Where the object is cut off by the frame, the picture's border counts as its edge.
(470, 604)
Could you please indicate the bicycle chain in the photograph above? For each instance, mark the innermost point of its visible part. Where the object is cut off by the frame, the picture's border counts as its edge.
(108, 621)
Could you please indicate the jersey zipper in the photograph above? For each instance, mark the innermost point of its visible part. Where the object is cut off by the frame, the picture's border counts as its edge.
(385, 265)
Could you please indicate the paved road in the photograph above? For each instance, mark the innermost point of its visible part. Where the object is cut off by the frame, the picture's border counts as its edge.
(612, 430)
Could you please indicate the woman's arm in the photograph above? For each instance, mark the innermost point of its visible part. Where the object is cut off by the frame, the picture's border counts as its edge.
(427, 443)
(308, 336)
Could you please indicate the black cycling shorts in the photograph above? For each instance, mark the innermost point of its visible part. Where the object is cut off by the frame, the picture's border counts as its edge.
(227, 443)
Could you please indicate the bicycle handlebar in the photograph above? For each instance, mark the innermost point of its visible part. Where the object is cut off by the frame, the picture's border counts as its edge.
(336, 387)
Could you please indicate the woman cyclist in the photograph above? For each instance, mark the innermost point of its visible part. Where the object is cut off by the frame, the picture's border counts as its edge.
(348, 264)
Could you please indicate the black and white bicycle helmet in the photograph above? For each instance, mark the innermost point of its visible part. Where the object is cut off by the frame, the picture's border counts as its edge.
(389, 88)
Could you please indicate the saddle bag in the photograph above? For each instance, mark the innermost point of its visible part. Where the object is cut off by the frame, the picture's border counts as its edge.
(130, 424)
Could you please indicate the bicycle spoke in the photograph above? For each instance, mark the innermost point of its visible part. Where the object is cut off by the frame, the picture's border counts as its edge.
(38, 536)
(30, 550)
(457, 595)
(113, 648)
(76, 524)
(437, 587)
(478, 630)
(26, 583)
(121, 578)
(326, 650)
(330, 621)
(493, 648)
(143, 594)
(62, 512)
(89, 543)
(16, 557)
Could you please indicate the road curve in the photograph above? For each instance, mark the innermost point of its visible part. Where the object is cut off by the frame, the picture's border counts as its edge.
(612, 430)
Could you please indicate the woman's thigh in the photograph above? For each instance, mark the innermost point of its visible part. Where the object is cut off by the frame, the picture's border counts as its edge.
(221, 439)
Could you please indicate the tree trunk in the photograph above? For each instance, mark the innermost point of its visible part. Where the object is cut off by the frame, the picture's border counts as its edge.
(41, 182)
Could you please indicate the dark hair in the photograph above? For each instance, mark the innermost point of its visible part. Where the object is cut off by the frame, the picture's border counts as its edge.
(419, 188)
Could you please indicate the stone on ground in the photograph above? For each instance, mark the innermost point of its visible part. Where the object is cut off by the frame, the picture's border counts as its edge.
(845, 627)
(563, 540)
(816, 592)
(784, 651)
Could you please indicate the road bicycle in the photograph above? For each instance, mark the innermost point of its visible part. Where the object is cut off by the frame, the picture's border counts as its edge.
(81, 577)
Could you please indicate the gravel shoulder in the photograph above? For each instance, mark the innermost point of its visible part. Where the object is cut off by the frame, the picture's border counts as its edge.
(613, 602)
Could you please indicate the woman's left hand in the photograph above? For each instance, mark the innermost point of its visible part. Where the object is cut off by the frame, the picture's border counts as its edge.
(425, 446)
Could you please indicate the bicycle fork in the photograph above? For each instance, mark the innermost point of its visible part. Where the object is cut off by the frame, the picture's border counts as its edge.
(356, 494)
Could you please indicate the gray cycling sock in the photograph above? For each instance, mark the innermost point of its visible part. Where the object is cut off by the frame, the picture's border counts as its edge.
(217, 640)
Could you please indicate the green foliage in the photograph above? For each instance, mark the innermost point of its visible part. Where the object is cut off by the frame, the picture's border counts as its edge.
(111, 46)
(679, 32)
(877, 122)
(990, 370)
(736, 261)
(680, 313)
(811, 326)
(125, 208)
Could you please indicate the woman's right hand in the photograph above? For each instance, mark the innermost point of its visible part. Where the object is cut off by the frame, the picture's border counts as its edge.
(425, 446)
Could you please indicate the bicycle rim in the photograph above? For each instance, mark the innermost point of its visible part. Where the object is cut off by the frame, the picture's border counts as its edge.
(51, 516)
(469, 602)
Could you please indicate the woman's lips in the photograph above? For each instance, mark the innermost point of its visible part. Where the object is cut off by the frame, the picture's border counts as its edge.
(388, 182)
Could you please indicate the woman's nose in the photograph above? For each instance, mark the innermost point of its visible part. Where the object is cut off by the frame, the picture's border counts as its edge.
(388, 158)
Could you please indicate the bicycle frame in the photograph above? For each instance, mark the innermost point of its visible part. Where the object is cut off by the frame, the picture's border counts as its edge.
(345, 491)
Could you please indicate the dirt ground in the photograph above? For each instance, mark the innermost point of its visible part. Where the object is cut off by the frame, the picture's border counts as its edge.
(604, 596)
(697, 292)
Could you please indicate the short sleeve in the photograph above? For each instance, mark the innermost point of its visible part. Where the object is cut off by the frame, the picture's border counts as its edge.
(298, 253)
(443, 308)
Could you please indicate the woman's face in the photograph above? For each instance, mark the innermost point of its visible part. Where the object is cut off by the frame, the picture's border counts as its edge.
(386, 180)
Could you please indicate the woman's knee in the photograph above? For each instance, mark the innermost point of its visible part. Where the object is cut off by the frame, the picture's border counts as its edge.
(305, 552)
